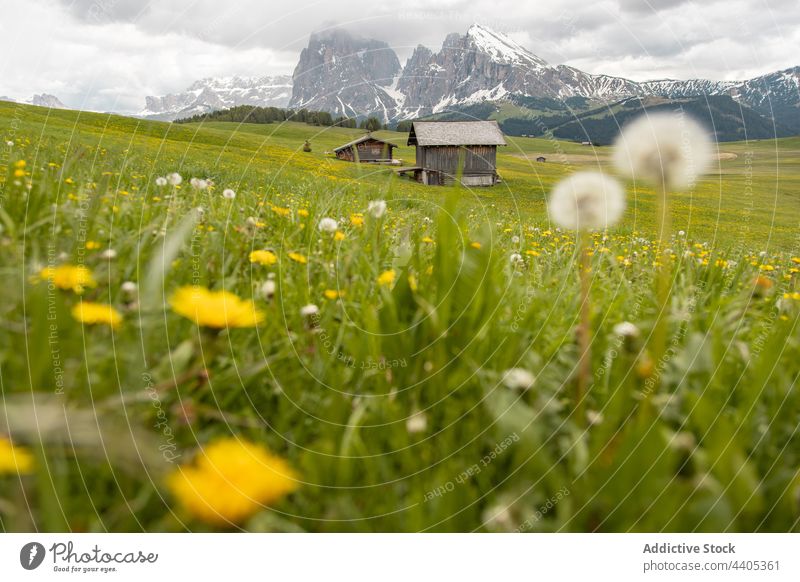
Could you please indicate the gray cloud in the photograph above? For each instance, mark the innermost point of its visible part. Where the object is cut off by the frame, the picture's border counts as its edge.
(109, 54)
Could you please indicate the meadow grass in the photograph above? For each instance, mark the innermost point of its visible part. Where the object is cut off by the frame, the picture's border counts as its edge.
(109, 412)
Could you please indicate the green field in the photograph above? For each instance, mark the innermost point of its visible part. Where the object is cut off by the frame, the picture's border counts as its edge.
(391, 404)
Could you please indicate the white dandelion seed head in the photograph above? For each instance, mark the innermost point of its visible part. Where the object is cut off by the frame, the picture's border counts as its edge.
(328, 225)
(515, 258)
(228, 193)
(251, 221)
(268, 288)
(129, 287)
(376, 208)
(663, 148)
(161, 181)
(10, 143)
(515, 239)
(586, 201)
(309, 310)
(174, 179)
(681, 233)
(416, 423)
(108, 254)
(626, 329)
(198, 183)
(518, 379)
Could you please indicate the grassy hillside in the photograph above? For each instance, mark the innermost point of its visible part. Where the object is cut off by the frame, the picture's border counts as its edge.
(372, 356)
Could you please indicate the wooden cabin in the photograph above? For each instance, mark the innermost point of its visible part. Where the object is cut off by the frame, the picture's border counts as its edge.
(541, 159)
(447, 149)
(367, 148)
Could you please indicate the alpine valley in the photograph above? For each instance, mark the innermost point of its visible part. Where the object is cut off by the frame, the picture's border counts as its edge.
(484, 74)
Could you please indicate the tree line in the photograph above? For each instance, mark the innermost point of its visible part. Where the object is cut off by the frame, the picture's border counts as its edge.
(254, 114)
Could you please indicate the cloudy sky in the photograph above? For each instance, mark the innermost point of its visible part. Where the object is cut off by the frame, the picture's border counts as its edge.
(107, 55)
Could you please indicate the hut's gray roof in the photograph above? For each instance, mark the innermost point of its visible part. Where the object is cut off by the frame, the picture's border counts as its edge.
(364, 138)
(444, 133)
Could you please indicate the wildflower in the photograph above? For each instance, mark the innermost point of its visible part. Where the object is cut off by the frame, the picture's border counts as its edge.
(328, 225)
(386, 279)
(268, 289)
(281, 211)
(475, 245)
(626, 329)
(427, 240)
(228, 193)
(518, 379)
(69, 277)
(129, 287)
(198, 184)
(174, 179)
(667, 149)
(309, 310)
(10, 143)
(302, 212)
(218, 309)
(416, 423)
(298, 258)
(96, 313)
(230, 481)
(586, 201)
(13, 459)
(266, 258)
(339, 236)
(515, 258)
(763, 283)
(108, 254)
(376, 208)
(331, 294)
(357, 220)
(92, 245)
(161, 181)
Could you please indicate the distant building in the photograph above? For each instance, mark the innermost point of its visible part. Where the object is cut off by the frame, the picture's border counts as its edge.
(447, 149)
(588, 143)
(541, 159)
(367, 148)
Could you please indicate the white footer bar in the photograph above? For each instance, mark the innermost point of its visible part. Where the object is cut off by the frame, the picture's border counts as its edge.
(401, 557)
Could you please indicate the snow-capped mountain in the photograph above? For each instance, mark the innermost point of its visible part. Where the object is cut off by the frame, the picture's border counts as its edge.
(40, 100)
(346, 75)
(485, 66)
(357, 77)
(212, 94)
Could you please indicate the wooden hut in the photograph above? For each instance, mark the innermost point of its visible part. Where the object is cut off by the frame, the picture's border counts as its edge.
(447, 149)
(367, 148)
(541, 159)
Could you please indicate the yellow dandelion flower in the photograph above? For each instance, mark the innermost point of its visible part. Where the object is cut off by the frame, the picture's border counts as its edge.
(339, 235)
(357, 220)
(795, 296)
(20, 173)
(266, 258)
(427, 240)
(412, 283)
(386, 279)
(475, 245)
(796, 260)
(218, 309)
(230, 481)
(332, 294)
(766, 268)
(532, 253)
(303, 212)
(13, 459)
(92, 245)
(281, 211)
(68, 277)
(96, 313)
(298, 258)
(20, 164)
